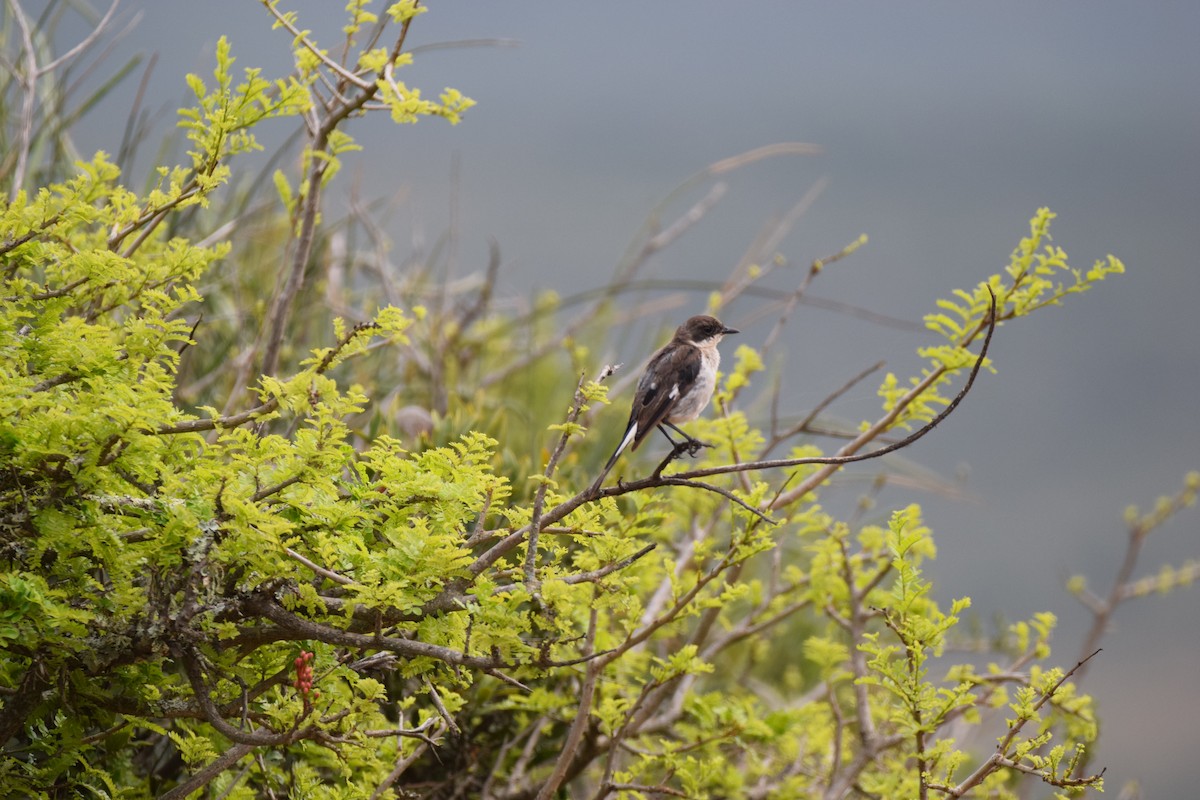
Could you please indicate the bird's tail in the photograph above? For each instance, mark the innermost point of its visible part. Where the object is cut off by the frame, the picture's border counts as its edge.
(630, 435)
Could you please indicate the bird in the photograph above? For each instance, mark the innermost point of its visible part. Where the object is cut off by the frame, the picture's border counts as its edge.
(678, 383)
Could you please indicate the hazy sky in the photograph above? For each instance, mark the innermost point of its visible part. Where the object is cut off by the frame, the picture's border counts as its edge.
(944, 127)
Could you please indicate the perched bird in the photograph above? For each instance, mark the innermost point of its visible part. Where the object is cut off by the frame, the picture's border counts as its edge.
(677, 385)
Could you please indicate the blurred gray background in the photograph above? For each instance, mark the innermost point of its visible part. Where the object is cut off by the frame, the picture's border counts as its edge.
(944, 127)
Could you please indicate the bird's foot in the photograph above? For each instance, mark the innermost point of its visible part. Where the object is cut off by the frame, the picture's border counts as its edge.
(689, 446)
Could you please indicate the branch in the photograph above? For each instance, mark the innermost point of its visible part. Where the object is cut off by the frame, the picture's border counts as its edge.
(318, 569)
(249, 415)
(28, 82)
(274, 325)
(656, 480)
(228, 421)
(214, 768)
(595, 492)
(189, 659)
(539, 500)
(883, 423)
(803, 425)
(582, 713)
(298, 36)
(674, 480)
(83, 44)
(1139, 528)
(403, 763)
(608, 569)
(995, 761)
(295, 625)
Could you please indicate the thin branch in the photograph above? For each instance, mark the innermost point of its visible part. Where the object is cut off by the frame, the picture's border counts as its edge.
(539, 500)
(13, 244)
(763, 250)
(402, 765)
(411, 733)
(817, 410)
(267, 491)
(190, 661)
(317, 52)
(642, 789)
(511, 681)
(272, 332)
(831, 463)
(318, 569)
(83, 44)
(441, 707)
(688, 219)
(295, 625)
(994, 762)
(595, 492)
(1139, 529)
(228, 421)
(673, 480)
(582, 713)
(608, 569)
(210, 771)
(28, 80)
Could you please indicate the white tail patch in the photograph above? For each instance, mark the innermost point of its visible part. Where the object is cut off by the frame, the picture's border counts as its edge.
(629, 437)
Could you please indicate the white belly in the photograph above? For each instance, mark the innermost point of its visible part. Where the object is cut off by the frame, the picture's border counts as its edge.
(694, 401)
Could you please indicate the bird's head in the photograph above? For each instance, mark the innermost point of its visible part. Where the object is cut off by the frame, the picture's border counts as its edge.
(703, 331)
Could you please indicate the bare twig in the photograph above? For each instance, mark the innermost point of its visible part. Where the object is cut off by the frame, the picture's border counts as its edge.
(802, 425)
(845, 455)
(675, 480)
(28, 79)
(441, 707)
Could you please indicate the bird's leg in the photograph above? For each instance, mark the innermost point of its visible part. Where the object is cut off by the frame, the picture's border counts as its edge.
(677, 449)
(669, 439)
(691, 444)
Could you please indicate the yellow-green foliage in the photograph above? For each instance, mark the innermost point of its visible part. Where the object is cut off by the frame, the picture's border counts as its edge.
(164, 567)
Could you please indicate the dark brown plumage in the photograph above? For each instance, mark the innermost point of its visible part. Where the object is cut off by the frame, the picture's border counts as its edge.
(677, 384)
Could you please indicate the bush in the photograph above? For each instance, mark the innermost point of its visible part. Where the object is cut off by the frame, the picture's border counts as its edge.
(268, 590)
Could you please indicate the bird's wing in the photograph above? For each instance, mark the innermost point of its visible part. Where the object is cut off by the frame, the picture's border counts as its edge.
(669, 375)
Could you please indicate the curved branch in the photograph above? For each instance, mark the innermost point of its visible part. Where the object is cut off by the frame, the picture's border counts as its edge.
(595, 492)
(675, 480)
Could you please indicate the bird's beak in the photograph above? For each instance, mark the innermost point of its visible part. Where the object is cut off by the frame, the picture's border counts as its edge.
(728, 331)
